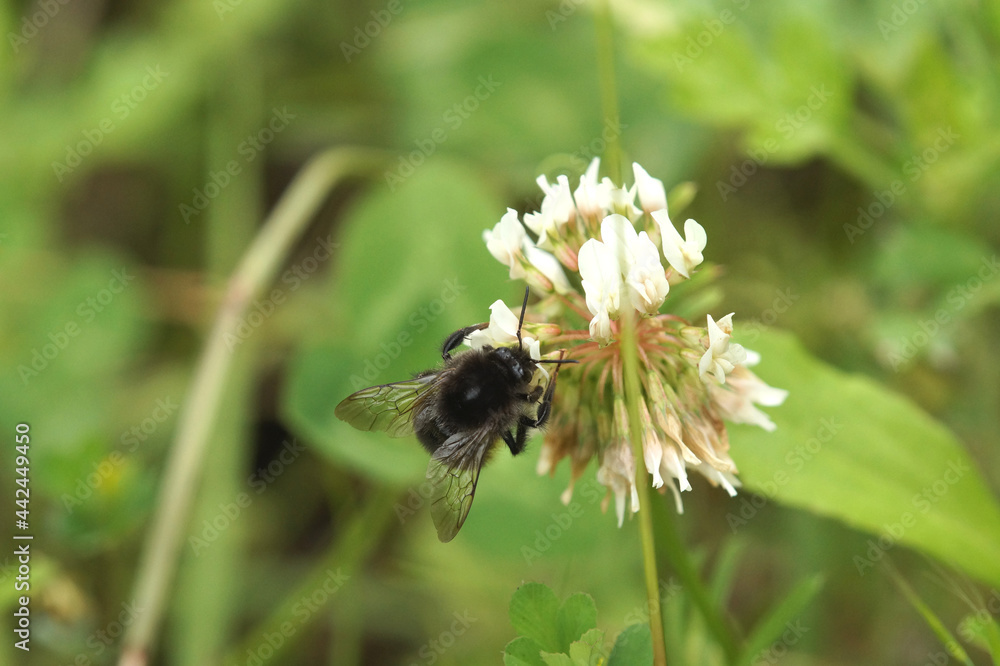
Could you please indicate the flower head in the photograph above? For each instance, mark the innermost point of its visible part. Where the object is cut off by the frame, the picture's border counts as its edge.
(693, 378)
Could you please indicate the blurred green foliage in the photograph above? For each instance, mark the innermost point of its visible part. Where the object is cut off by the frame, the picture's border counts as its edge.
(846, 155)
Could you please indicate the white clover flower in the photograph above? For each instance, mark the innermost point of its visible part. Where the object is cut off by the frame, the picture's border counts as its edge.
(510, 244)
(557, 210)
(617, 473)
(652, 194)
(592, 196)
(722, 355)
(646, 279)
(559, 199)
(638, 263)
(548, 266)
(599, 252)
(683, 254)
(502, 331)
(719, 477)
(505, 241)
(620, 200)
(602, 284)
(744, 389)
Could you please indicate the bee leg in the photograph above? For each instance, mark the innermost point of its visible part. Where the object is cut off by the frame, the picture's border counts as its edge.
(456, 338)
(544, 408)
(517, 440)
(535, 394)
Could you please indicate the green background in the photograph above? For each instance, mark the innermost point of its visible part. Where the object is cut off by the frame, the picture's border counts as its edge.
(846, 160)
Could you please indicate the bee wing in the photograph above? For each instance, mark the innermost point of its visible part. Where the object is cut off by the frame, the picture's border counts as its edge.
(454, 472)
(387, 407)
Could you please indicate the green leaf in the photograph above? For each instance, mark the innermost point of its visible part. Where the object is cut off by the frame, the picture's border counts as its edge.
(577, 615)
(634, 647)
(781, 618)
(589, 650)
(523, 651)
(848, 448)
(533, 612)
(556, 659)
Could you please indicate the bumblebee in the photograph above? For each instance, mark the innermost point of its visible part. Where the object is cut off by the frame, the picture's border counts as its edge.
(460, 412)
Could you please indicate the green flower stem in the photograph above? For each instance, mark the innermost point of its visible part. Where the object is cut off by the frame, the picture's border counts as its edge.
(256, 271)
(633, 396)
(630, 351)
(670, 544)
(609, 89)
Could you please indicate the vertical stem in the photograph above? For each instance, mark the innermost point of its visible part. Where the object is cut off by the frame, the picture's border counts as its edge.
(630, 354)
(633, 395)
(204, 609)
(676, 553)
(256, 270)
(609, 89)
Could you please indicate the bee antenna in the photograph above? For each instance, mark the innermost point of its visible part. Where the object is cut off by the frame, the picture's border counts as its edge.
(520, 322)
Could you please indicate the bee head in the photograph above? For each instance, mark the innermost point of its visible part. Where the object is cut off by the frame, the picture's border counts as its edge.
(528, 364)
(521, 366)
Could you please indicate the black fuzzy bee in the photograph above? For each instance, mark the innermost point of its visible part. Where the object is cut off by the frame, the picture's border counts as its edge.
(459, 412)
